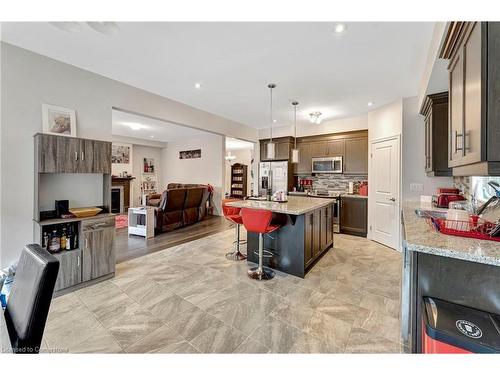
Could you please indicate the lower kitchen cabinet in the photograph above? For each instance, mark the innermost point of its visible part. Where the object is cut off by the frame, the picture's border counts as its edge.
(353, 216)
(70, 269)
(95, 256)
(318, 235)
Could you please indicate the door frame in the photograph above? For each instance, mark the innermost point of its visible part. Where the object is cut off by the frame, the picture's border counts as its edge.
(371, 218)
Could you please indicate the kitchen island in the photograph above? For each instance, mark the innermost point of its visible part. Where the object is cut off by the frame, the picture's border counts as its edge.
(305, 234)
(463, 271)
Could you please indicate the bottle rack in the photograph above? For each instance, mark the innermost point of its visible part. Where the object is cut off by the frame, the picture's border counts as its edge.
(239, 180)
(71, 229)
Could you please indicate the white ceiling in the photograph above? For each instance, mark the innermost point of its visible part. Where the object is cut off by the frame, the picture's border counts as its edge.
(134, 126)
(334, 74)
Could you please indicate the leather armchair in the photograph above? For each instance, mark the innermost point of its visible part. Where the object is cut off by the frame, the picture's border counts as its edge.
(30, 297)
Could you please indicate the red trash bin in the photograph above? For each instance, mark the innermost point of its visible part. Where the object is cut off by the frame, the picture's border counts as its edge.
(452, 328)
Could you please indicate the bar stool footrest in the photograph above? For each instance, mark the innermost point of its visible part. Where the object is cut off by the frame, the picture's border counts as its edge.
(265, 253)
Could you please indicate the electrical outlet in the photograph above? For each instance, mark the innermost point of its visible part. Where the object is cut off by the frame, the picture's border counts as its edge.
(416, 187)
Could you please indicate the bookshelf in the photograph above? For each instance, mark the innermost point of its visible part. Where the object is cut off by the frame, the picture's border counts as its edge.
(239, 181)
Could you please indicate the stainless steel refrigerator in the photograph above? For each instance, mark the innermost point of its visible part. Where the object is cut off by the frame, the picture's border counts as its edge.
(273, 174)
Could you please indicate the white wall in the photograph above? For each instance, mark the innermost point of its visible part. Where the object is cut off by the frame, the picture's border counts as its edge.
(326, 127)
(209, 169)
(28, 81)
(413, 155)
(242, 157)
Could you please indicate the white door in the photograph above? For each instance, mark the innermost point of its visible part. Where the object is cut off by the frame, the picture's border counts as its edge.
(385, 169)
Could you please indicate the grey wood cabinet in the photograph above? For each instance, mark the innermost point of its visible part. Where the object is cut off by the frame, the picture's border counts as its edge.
(335, 148)
(356, 156)
(353, 216)
(99, 256)
(70, 269)
(473, 49)
(58, 154)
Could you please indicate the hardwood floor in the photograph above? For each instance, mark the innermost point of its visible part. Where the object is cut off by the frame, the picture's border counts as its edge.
(130, 247)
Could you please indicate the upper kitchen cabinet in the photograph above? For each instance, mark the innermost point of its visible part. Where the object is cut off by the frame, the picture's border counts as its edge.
(283, 148)
(57, 154)
(304, 166)
(435, 112)
(473, 49)
(356, 156)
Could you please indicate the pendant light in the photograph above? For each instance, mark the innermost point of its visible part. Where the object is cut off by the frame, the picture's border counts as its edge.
(295, 150)
(271, 146)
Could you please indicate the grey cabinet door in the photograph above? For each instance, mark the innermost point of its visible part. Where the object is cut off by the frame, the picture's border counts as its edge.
(354, 216)
(68, 155)
(103, 252)
(283, 151)
(356, 156)
(47, 153)
(319, 149)
(317, 246)
(86, 156)
(70, 270)
(102, 157)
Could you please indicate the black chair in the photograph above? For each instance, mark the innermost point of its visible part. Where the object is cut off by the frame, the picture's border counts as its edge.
(30, 297)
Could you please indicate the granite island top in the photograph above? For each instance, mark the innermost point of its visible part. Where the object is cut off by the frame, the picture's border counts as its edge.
(421, 237)
(294, 206)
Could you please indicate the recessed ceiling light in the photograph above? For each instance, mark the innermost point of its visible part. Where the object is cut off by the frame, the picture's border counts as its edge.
(274, 121)
(197, 85)
(340, 28)
(370, 104)
(151, 136)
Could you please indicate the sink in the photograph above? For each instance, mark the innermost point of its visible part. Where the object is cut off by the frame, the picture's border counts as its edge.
(428, 213)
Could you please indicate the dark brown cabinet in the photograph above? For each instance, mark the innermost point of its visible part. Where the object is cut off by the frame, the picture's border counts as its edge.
(353, 216)
(283, 148)
(356, 156)
(318, 235)
(304, 166)
(473, 50)
(58, 154)
(352, 146)
(435, 112)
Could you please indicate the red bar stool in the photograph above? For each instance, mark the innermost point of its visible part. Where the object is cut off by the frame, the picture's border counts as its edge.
(233, 214)
(259, 221)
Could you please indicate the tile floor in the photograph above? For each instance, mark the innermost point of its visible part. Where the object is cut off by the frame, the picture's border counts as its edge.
(190, 299)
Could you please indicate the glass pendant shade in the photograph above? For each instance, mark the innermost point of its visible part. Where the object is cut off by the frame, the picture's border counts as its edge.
(295, 155)
(271, 150)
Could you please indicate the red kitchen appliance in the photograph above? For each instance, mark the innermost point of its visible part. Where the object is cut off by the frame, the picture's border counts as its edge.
(363, 188)
(449, 328)
(445, 196)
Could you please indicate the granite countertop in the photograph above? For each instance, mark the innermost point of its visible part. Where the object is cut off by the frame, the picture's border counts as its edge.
(294, 206)
(5, 344)
(421, 237)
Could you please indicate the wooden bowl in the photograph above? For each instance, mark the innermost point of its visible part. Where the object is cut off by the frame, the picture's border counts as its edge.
(85, 211)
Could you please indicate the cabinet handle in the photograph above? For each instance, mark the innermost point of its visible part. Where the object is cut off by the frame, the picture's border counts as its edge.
(456, 142)
(76, 156)
(86, 242)
(78, 260)
(83, 156)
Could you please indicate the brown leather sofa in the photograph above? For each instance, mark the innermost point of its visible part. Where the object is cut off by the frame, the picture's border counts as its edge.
(179, 205)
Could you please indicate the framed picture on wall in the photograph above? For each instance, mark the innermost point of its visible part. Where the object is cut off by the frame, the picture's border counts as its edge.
(190, 154)
(120, 154)
(148, 166)
(58, 120)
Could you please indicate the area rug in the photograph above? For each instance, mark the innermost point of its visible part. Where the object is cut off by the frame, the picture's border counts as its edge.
(121, 221)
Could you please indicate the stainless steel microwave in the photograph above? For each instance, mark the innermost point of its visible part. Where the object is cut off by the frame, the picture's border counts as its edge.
(327, 165)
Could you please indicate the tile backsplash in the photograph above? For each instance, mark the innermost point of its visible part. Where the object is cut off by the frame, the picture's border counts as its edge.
(335, 182)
